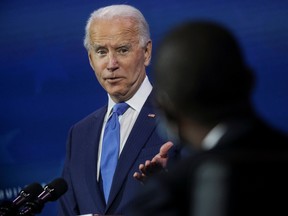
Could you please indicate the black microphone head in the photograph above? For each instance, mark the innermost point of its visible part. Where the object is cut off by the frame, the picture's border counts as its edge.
(33, 189)
(51, 192)
(57, 188)
(28, 193)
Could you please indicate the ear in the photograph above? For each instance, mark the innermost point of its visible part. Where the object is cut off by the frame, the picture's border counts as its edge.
(148, 53)
(90, 59)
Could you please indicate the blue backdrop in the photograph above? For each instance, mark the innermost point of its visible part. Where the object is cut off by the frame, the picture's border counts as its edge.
(46, 83)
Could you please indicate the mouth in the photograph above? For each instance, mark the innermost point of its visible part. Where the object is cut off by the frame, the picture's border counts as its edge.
(113, 80)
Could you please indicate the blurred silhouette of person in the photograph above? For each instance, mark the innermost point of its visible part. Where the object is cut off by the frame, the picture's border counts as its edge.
(119, 50)
(204, 87)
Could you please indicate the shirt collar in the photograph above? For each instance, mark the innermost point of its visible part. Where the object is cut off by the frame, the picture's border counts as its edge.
(213, 137)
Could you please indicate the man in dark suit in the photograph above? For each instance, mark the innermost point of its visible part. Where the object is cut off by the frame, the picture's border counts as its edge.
(204, 87)
(119, 50)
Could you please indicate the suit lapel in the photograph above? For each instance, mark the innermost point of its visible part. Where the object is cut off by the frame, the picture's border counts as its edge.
(144, 126)
(94, 133)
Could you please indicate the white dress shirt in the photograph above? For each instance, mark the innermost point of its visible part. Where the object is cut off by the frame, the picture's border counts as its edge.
(128, 119)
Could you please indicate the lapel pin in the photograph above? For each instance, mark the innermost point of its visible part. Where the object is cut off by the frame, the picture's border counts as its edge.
(151, 115)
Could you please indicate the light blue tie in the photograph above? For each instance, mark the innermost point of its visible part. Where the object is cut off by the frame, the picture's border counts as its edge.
(110, 147)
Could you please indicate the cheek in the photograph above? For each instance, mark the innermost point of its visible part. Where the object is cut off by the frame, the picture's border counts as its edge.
(98, 68)
(98, 75)
(97, 65)
(132, 71)
(137, 64)
(98, 72)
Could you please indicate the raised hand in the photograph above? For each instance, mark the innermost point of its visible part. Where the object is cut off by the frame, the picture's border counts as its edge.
(156, 165)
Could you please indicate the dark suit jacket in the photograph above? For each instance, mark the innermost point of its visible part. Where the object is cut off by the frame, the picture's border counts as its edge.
(84, 194)
(244, 174)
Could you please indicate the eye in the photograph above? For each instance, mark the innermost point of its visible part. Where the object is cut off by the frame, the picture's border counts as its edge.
(123, 50)
(101, 52)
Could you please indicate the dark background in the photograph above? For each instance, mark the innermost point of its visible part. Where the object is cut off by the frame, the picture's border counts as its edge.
(46, 83)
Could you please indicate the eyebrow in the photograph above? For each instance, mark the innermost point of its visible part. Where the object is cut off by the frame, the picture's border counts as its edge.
(97, 46)
(116, 46)
(128, 45)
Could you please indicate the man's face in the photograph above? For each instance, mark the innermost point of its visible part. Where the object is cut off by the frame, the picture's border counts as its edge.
(116, 57)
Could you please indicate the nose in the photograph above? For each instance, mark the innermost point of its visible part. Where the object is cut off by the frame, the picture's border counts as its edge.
(112, 62)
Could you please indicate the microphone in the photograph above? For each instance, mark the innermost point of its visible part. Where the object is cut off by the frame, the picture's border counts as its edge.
(30, 192)
(52, 192)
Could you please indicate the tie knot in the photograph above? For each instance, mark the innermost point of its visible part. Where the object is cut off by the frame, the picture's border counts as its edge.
(120, 108)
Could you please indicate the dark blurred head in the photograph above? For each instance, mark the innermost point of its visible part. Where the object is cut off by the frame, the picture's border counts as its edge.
(200, 73)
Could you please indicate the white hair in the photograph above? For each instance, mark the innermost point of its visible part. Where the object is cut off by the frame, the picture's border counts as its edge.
(125, 11)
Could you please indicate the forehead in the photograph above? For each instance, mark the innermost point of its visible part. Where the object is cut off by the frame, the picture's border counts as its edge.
(114, 31)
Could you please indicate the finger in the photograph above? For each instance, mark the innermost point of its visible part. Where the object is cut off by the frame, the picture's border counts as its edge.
(158, 159)
(147, 162)
(137, 175)
(142, 167)
(165, 148)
